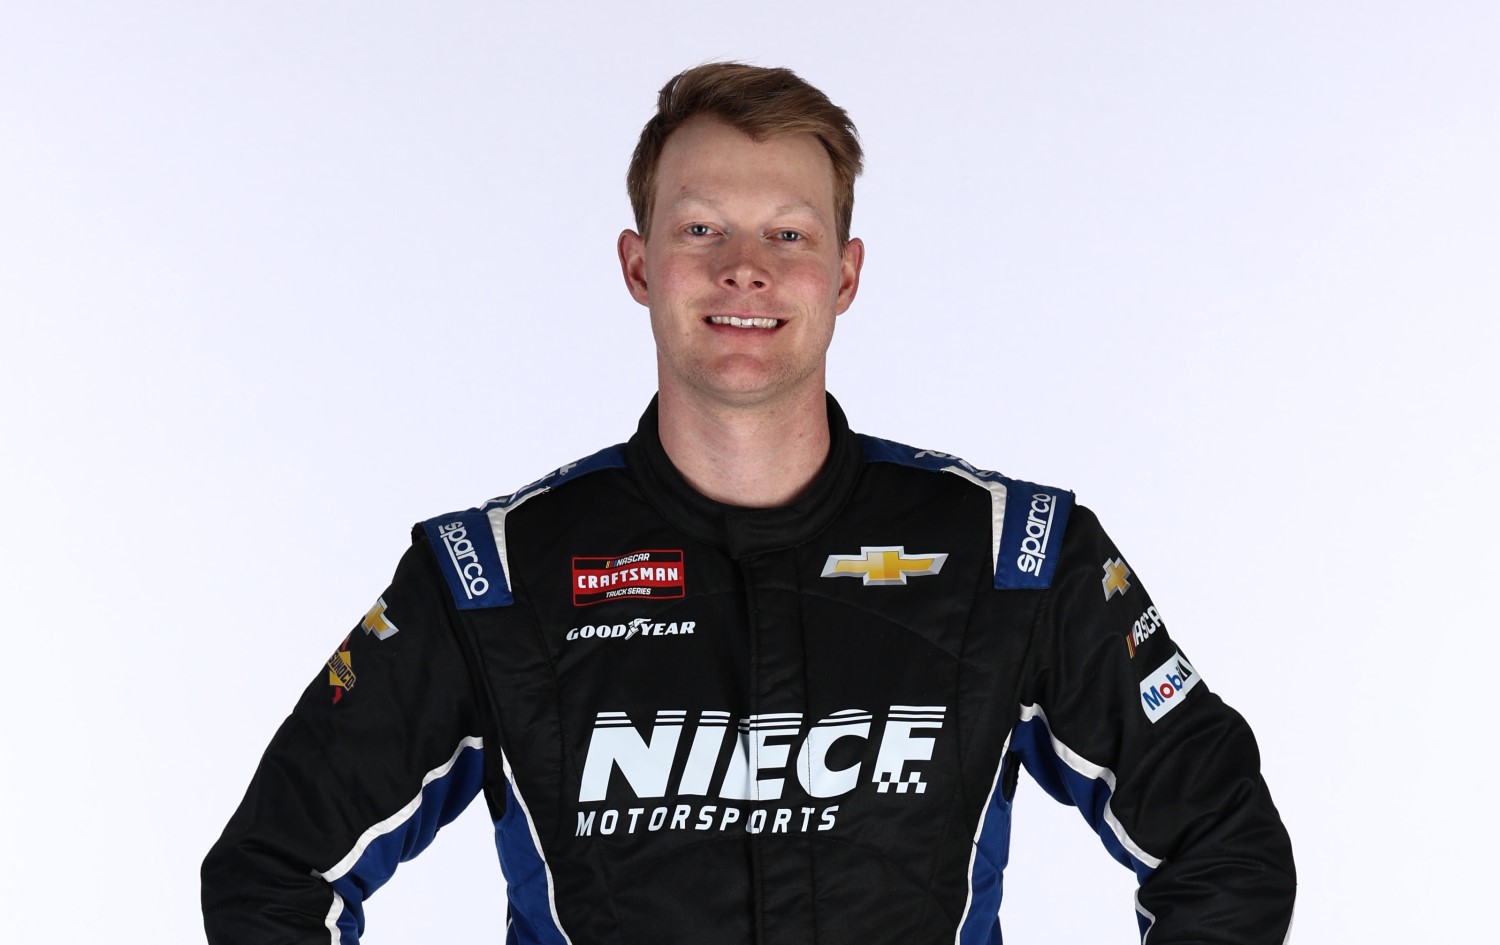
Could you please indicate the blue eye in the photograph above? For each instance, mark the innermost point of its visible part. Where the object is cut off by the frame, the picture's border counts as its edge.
(789, 236)
(698, 229)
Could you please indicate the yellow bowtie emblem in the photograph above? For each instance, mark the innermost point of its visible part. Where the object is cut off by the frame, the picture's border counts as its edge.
(1116, 578)
(378, 623)
(883, 564)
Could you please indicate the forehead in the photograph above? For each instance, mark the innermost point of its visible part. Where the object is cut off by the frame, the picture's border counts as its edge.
(711, 161)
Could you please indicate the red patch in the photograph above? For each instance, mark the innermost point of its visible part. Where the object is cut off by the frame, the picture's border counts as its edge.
(655, 574)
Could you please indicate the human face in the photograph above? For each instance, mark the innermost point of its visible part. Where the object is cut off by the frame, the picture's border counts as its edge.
(742, 269)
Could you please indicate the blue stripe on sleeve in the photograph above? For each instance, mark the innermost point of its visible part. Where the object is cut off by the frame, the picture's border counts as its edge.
(1033, 741)
(525, 878)
(986, 879)
(442, 800)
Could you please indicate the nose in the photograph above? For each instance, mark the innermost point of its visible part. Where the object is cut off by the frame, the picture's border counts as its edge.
(744, 265)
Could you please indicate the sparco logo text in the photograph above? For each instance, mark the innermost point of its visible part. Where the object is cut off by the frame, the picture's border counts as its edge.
(1038, 533)
(465, 559)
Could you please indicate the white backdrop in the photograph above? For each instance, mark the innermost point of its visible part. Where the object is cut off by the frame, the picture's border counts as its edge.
(279, 279)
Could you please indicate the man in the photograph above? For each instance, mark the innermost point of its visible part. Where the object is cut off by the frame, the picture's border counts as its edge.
(751, 676)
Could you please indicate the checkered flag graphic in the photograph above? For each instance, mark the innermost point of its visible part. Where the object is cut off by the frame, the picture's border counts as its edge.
(889, 779)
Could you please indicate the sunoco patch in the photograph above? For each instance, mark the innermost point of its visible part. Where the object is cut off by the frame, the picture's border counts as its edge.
(341, 671)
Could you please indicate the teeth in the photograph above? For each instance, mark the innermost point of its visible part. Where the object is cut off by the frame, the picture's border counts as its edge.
(742, 322)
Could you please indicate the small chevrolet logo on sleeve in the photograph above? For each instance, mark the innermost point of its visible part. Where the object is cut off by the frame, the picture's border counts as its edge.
(886, 564)
(1116, 578)
(378, 623)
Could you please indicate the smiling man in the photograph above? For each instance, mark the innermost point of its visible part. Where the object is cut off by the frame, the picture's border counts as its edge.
(750, 676)
(745, 263)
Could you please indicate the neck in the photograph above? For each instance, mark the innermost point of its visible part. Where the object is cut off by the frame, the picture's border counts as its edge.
(754, 457)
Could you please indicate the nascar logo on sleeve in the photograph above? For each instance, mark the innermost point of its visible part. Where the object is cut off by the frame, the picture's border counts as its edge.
(1165, 688)
(1146, 624)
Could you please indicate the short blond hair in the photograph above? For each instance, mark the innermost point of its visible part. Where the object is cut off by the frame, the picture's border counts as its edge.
(759, 102)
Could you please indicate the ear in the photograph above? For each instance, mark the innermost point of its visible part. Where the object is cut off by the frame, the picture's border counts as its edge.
(632, 249)
(849, 266)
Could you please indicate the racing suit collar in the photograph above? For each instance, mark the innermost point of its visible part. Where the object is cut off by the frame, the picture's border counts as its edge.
(745, 532)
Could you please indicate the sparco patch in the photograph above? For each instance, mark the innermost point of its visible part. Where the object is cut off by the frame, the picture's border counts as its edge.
(1035, 519)
(653, 573)
(464, 543)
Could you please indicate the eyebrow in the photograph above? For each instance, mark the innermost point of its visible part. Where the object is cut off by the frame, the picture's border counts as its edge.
(784, 208)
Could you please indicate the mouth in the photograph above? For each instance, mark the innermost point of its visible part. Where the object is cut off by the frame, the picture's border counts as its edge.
(736, 321)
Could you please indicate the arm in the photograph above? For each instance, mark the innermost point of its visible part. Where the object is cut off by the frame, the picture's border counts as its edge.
(381, 750)
(1118, 722)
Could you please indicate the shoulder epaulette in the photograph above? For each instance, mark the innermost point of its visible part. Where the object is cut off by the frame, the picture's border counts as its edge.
(470, 545)
(1026, 520)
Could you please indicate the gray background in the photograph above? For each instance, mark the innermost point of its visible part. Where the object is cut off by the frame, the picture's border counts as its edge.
(279, 279)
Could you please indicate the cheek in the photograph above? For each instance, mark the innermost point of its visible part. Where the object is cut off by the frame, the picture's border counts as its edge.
(813, 279)
(675, 277)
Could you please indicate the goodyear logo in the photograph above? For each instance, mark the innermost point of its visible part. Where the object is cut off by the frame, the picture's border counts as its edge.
(640, 625)
(883, 564)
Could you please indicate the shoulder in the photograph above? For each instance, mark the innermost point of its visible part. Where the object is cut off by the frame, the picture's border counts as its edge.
(1027, 519)
(470, 544)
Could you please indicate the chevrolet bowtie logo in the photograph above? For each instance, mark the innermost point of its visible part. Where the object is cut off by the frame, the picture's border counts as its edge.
(1116, 578)
(376, 622)
(886, 564)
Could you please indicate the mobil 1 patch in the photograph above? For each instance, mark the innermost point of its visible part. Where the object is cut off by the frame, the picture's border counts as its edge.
(1167, 686)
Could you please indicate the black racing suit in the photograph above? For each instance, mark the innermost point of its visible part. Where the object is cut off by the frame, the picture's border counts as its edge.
(697, 723)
